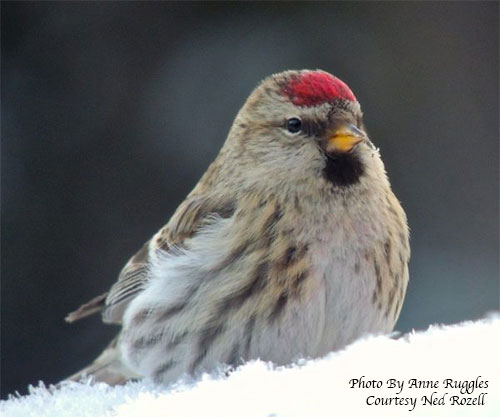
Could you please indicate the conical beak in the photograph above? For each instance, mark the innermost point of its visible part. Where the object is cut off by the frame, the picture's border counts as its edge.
(344, 139)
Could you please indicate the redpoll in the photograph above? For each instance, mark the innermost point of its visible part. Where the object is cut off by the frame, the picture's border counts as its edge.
(291, 245)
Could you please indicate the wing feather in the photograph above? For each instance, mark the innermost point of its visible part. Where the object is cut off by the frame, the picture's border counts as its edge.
(190, 216)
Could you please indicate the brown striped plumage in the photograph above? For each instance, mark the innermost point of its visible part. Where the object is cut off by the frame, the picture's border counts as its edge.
(292, 244)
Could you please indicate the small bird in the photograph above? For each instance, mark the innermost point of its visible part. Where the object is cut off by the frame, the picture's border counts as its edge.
(291, 245)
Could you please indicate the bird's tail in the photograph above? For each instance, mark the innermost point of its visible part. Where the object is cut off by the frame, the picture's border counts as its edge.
(107, 368)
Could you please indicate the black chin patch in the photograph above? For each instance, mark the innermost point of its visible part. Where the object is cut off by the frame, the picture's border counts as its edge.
(343, 169)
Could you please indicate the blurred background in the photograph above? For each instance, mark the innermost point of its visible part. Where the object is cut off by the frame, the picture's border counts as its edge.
(112, 111)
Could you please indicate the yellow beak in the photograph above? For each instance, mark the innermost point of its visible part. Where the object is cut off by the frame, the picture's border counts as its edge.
(344, 139)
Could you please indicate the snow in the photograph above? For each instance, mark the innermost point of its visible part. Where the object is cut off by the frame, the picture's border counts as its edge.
(466, 354)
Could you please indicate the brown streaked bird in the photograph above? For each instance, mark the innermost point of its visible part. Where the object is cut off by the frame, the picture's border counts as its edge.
(291, 245)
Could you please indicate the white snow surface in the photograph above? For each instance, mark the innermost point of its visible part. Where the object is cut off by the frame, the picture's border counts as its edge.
(467, 353)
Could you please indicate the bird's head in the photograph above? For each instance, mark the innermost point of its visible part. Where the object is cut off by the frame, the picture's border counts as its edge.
(301, 125)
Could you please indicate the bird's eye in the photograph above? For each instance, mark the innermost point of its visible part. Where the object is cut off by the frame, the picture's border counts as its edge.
(293, 125)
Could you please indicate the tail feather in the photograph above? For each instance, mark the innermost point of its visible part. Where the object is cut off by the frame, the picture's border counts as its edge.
(93, 306)
(107, 368)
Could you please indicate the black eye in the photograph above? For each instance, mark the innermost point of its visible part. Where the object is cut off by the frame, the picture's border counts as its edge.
(293, 125)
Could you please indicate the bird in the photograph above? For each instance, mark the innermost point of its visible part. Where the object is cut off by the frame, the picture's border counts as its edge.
(291, 245)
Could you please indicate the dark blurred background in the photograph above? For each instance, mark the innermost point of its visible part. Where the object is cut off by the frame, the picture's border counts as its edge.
(112, 111)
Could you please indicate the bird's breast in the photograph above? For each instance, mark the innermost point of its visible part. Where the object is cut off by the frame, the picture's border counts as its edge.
(359, 257)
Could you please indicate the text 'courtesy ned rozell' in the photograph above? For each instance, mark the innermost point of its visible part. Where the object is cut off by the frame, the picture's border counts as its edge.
(416, 392)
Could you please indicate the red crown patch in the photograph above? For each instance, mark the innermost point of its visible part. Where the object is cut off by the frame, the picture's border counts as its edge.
(317, 87)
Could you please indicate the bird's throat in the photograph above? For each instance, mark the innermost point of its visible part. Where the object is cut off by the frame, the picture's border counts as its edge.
(343, 169)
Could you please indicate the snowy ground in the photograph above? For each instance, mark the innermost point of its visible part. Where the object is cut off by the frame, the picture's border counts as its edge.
(461, 362)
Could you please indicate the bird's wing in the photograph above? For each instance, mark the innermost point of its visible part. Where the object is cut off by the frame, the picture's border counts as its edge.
(191, 215)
